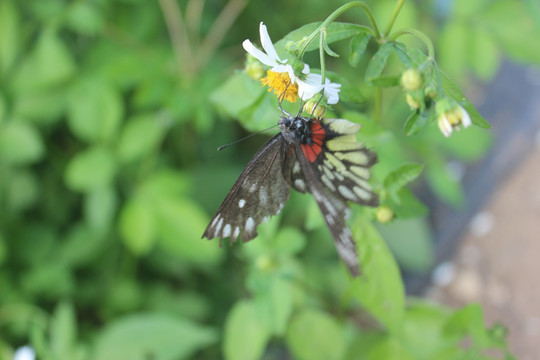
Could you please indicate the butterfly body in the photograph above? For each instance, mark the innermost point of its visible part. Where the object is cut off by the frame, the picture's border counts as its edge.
(319, 156)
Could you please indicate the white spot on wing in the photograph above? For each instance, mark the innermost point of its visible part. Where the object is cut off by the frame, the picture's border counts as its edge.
(300, 184)
(218, 227)
(328, 183)
(236, 232)
(250, 224)
(241, 203)
(263, 196)
(330, 219)
(227, 230)
(347, 193)
(362, 194)
(296, 167)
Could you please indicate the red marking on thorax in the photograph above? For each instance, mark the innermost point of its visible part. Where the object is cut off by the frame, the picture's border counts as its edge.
(311, 152)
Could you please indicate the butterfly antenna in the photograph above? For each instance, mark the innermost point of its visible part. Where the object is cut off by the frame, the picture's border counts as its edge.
(281, 98)
(315, 107)
(244, 138)
(301, 108)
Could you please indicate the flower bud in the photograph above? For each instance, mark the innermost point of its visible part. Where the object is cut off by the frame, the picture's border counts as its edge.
(451, 115)
(315, 108)
(430, 92)
(384, 214)
(413, 103)
(412, 79)
(254, 68)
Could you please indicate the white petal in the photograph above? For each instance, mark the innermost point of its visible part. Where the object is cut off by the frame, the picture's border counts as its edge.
(306, 69)
(465, 118)
(262, 57)
(445, 126)
(24, 353)
(266, 43)
(307, 90)
(331, 91)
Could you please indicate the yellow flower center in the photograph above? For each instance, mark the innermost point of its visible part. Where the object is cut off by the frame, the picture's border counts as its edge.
(281, 84)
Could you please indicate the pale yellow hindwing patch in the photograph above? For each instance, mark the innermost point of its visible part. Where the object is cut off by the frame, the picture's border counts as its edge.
(343, 126)
(356, 157)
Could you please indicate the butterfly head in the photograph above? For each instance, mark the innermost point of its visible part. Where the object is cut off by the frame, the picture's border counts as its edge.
(296, 129)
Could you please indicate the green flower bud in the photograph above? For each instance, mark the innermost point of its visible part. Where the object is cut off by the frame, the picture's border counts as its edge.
(384, 214)
(318, 111)
(412, 79)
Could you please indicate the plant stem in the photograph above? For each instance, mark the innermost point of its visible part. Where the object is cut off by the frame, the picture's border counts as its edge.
(425, 39)
(321, 54)
(378, 104)
(333, 16)
(394, 16)
(178, 34)
(219, 29)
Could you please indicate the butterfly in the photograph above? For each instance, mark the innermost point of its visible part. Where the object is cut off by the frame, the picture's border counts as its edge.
(319, 156)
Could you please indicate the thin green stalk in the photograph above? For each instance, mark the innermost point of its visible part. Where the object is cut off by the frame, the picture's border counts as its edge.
(425, 39)
(178, 34)
(321, 54)
(333, 16)
(394, 16)
(378, 104)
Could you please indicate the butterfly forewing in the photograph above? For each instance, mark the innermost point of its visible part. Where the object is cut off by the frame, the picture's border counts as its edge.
(260, 192)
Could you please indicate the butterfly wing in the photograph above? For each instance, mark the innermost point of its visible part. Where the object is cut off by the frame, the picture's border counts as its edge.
(335, 168)
(260, 192)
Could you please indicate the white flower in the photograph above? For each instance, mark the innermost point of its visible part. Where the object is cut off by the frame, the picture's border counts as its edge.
(271, 57)
(24, 353)
(453, 118)
(313, 84)
(304, 86)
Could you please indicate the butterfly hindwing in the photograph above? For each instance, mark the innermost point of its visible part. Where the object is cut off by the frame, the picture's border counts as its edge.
(343, 164)
(260, 192)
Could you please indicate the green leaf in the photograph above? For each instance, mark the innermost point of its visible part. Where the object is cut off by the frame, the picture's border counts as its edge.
(95, 110)
(409, 206)
(357, 48)
(335, 31)
(468, 321)
(49, 63)
(63, 333)
(379, 289)
(81, 246)
(377, 63)
(289, 240)
(484, 55)
(454, 47)
(100, 207)
(400, 177)
(159, 336)
(21, 190)
(180, 223)
(245, 337)
(236, 94)
(515, 29)
(20, 143)
(42, 107)
(84, 18)
(423, 330)
(273, 303)
(9, 35)
(411, 243)
(137, 226)
(314, 335)
(141, 135)
(91, 169)
(386, 80)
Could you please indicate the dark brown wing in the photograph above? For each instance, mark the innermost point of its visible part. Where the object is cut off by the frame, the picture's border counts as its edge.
(260, 192)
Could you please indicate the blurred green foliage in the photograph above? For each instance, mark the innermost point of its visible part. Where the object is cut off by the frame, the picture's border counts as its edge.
(108, 175)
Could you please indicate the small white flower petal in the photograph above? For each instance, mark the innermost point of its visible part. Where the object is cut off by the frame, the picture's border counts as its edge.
(465, 118)
(306, 90)
(445, 126)
(306, 69)
(24, 353)
(266, 43)
(262, 57)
